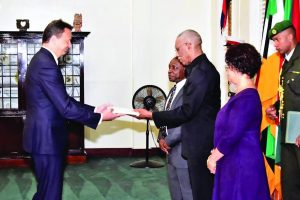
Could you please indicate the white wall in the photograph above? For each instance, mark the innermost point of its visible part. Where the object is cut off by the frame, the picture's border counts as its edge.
(247, 20)
(130, 45)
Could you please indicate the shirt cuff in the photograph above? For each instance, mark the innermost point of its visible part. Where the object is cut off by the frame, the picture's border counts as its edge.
(100, 119)
(100, 116)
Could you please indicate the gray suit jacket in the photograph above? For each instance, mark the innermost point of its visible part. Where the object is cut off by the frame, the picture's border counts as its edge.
(173, 139)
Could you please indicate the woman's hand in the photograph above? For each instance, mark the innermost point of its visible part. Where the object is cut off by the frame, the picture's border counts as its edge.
(212, 160)
(211, 165)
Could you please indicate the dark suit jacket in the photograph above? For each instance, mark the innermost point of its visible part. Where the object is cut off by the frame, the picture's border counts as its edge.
(48, 105)
(173, 139)
(201, 102)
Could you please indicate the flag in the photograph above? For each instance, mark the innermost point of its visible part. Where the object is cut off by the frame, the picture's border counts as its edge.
(273, 14)
(288, 9)
(267, 82)
(224, 14)
(268, 75)
(292, 12)
(296, 18)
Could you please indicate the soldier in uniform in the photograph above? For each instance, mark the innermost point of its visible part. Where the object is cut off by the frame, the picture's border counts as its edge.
(283, 35)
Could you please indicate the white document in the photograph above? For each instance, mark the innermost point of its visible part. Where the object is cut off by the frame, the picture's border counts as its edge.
(126, 111)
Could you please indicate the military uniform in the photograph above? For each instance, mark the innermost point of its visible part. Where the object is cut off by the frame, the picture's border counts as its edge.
(290, 101)
(290, 153)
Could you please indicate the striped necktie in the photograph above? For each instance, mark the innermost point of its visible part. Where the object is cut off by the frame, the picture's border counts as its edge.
(169, 102)
(170, 99)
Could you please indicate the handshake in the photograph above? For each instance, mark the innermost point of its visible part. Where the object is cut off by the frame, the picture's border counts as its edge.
(110, 112)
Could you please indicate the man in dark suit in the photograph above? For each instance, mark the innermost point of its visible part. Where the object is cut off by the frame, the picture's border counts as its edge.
(170, 139)
(47, 107)
(201, 102)
(284, 38)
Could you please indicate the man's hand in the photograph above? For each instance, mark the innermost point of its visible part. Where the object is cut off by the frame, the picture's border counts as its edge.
(106, 111)
(164, 146)
(271, 113)
(143, 114)
(103, 107)
(298, 141)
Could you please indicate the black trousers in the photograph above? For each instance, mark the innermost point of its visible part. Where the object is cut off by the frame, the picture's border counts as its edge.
(49, 175)
(202, 180)
(290, 172)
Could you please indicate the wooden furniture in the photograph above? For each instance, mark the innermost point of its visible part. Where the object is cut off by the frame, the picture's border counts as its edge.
(16, 50)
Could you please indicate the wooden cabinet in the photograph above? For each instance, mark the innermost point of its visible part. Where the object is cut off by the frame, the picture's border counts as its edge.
(16, 51)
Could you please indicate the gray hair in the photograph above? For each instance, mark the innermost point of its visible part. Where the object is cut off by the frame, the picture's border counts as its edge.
(191, 36)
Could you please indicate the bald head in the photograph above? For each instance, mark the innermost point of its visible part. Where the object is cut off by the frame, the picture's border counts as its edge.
(191, 36)
(292, 31)
(188, 46)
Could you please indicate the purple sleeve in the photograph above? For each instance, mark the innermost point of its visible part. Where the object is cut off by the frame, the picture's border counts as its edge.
(242, 116)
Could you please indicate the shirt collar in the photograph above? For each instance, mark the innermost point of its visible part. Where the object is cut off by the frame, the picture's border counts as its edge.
(180, 83)
(288, 56)
(53, 54)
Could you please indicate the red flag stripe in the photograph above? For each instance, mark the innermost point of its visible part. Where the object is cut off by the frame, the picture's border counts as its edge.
(224, 13)
(295, 18)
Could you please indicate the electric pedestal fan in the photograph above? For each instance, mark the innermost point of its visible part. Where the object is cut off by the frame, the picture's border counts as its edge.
(152, 98)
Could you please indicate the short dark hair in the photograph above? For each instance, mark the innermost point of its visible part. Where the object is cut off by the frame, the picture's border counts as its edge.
(56, 27)
(244, 58)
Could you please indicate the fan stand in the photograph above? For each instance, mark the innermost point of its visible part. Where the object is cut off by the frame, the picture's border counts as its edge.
(147, 163)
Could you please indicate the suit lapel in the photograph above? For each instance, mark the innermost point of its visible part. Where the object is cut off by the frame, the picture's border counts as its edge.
(294, 57)
(177, 97)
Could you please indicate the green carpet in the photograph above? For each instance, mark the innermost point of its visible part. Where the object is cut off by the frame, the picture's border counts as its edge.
(99, 178)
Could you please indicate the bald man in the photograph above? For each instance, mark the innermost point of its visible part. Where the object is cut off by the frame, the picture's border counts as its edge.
(197, 114)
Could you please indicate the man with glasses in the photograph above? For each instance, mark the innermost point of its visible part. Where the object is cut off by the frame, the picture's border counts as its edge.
(197, 114)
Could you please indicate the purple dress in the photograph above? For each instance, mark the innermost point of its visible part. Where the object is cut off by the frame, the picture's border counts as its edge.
(240, 173)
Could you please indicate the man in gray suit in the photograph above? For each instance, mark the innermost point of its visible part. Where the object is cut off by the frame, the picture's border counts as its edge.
(170, 139)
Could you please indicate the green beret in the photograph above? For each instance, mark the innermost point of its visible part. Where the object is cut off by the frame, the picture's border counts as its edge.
(279, 27)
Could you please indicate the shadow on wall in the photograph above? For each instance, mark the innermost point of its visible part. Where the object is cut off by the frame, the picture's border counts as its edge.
(113, 127)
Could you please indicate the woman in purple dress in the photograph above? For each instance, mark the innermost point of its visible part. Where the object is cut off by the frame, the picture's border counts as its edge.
(237, 159)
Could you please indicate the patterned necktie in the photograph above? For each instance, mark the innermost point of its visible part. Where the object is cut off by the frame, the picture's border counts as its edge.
(163, 129)
(171, 96)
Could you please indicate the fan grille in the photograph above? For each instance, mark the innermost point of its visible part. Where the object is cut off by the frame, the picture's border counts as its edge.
(149, 97)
